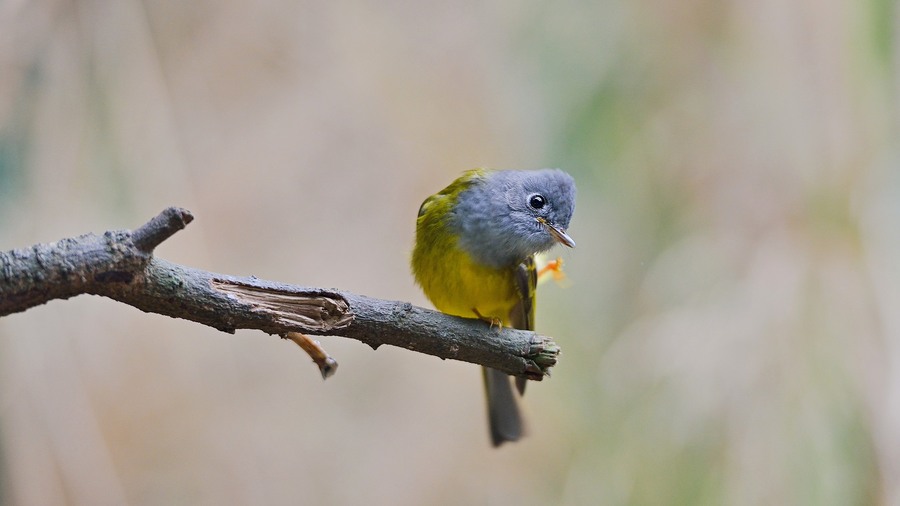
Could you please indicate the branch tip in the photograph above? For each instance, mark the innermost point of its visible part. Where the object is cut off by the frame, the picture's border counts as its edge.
(151, 234)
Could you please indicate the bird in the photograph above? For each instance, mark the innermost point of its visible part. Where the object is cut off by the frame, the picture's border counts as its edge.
(474, 256)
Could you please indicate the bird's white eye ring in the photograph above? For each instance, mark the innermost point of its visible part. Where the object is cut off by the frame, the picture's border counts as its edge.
(537, 201)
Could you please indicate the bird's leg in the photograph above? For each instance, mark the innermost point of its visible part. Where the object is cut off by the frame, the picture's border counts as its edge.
(493, 320)
(327, 365)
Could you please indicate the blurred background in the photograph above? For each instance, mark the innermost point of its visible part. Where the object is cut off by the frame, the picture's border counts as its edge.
(731, 324)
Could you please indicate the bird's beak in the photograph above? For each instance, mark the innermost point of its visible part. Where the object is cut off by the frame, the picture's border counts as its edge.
(559, 234)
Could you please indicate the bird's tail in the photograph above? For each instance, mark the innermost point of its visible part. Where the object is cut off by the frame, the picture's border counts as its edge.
(503, 410)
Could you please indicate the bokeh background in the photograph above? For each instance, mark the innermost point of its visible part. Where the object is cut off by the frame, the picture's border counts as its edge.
(731, 324)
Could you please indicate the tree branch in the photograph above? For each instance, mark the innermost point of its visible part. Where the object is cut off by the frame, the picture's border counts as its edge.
(120, 265)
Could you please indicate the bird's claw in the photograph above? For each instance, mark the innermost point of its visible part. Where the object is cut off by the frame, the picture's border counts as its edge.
(492, 320)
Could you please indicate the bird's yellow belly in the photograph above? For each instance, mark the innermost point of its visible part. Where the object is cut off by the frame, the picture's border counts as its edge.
(457, 285)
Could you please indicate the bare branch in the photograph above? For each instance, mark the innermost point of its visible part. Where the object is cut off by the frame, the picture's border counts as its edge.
(120, 265)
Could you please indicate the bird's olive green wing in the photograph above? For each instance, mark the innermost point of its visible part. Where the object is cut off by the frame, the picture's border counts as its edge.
(522, 314)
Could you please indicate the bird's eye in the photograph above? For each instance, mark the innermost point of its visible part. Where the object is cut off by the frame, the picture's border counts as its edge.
(537, 201)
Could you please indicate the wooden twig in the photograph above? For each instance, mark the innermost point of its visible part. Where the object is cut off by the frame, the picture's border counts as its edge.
(120, 265)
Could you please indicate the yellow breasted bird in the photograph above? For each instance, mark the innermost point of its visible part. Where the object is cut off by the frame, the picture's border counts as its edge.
(474, 257)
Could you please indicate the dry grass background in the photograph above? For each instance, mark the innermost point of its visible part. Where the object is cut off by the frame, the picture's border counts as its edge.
(731, 332)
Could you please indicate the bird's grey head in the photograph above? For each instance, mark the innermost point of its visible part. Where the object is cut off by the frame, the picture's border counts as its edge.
(509, 215)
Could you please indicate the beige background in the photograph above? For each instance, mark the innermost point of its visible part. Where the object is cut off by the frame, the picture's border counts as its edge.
(730, 329)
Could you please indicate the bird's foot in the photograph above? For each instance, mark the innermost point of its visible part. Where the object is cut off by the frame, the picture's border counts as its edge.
(492, 320)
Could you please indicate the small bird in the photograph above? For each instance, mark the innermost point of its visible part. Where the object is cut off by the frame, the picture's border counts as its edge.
(474, 257)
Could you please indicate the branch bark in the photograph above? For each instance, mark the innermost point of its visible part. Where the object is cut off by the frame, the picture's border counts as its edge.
(120, 265)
